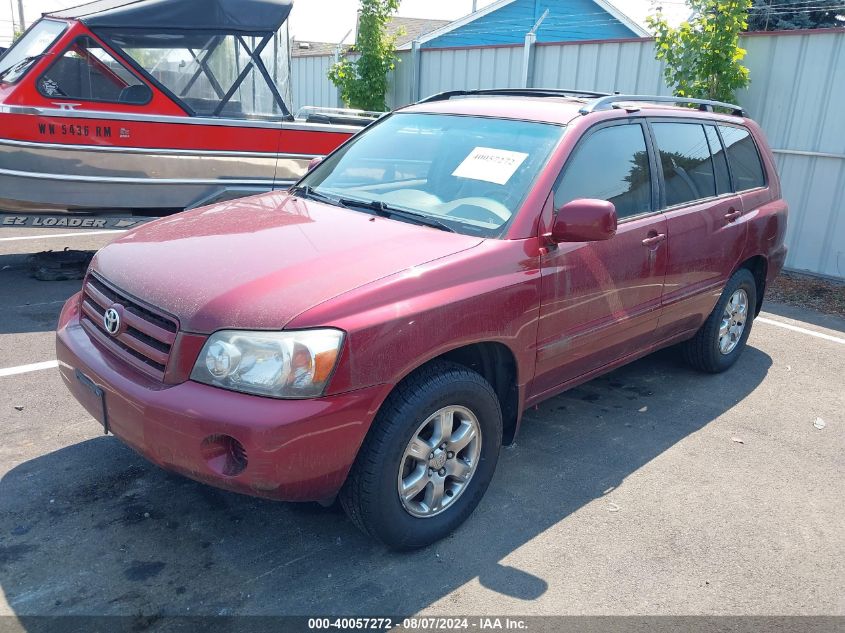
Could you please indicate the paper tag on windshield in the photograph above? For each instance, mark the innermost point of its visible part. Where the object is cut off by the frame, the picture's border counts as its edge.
(491, 165)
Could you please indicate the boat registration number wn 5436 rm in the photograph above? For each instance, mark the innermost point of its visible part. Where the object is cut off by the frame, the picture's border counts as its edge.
(92, 131)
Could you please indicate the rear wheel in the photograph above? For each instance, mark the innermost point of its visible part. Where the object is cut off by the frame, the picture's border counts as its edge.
(428, 459)
(719, 342)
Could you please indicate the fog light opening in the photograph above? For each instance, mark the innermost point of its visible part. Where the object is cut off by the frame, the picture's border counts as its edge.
(224, 455)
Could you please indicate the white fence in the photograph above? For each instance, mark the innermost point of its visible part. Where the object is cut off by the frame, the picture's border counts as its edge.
(797, 94)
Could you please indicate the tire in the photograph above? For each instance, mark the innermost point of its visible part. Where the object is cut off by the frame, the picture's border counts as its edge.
(371, 494)
(705, 351)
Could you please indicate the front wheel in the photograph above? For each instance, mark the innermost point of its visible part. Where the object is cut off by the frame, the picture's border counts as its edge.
(719, 342)
(428, 459)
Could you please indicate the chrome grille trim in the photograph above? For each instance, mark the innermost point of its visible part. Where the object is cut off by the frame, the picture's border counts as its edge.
(146, 336)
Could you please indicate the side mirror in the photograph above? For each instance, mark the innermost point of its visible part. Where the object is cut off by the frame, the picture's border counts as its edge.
(584, 220)
(314, 162)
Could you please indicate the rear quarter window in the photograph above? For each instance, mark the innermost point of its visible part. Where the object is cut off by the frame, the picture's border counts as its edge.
(743, 157)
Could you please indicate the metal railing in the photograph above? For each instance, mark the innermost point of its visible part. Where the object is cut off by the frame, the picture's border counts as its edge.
(305, 111)
(598, 100)
(513, 92)
(618, 101)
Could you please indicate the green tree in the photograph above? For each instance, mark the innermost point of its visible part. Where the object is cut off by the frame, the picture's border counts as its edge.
(703, 57)
(363, 82)
(777, 15)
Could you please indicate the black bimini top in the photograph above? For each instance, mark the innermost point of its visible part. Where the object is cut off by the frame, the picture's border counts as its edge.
(243, 16)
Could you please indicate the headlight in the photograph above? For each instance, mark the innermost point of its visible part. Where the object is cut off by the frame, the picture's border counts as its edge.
(295, 364)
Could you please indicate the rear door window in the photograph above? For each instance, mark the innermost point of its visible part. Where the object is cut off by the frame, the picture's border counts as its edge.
(744, 159)
(87, 72)
(687, 165)
(610, 164)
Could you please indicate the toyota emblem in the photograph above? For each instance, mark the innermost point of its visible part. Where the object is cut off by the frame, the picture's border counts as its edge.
(111, 321)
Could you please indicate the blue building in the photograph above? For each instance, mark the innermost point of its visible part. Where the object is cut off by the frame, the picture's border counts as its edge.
(507, 22)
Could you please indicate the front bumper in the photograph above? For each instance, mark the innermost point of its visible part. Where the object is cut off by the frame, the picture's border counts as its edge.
(297, 450)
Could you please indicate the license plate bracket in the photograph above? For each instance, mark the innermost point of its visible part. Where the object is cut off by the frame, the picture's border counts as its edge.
(97, 400)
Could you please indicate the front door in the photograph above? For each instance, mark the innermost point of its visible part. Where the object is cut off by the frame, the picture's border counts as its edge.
(600, 300)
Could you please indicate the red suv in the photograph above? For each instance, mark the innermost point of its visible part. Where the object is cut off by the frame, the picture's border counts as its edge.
(376, 332)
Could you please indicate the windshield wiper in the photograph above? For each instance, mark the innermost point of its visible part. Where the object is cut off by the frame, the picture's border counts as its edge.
(26, 62)
(307, 191)
(385, 210)
(380, 208)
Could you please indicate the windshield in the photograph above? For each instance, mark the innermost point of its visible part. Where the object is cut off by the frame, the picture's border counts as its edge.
(470, 173)
(24, 53)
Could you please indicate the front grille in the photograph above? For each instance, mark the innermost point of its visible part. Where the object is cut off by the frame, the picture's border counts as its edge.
(145, 336)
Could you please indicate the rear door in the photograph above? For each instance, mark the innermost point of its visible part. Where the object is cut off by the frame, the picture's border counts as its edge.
(706, 226)
(600, 300)
(746, 166)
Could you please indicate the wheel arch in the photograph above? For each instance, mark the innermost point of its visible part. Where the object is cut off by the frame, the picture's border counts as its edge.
(758, 265)
(498, 365)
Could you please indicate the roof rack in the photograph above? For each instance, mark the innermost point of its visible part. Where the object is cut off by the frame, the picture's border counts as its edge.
(514, 92)
(616, 100)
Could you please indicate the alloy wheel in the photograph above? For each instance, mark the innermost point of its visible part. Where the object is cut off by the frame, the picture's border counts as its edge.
(733, 321)
(439, 461)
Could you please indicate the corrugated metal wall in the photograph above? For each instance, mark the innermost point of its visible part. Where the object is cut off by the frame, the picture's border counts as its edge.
(469, 68)
(309, 82)
(797, 94)
(606, 67)
(400, 81)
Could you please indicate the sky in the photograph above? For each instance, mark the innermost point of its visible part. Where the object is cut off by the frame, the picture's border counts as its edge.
(330, 20)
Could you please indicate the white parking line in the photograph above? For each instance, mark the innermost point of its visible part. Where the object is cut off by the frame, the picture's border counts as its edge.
(795, 328)
(24, 369)
(48, 236)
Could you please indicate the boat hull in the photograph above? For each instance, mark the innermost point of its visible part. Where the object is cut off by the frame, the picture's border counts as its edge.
(59, 161)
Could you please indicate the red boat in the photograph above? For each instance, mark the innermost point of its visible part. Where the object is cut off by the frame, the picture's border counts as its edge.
(147, 107)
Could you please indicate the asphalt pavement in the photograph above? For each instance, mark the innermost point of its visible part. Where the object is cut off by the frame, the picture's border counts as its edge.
(653, 490)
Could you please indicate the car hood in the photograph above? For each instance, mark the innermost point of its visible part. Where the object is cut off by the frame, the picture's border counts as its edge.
(258, 262)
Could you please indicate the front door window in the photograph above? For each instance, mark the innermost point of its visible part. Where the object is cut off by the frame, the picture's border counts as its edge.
(612, 164)
(85, 71)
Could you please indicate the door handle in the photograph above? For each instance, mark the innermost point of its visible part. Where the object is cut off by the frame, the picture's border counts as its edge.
(654, 239)
(732, 215)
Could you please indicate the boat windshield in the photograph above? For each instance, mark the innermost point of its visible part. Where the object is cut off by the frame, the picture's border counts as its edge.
(214, 73)
(28, 49)
(468, 174)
